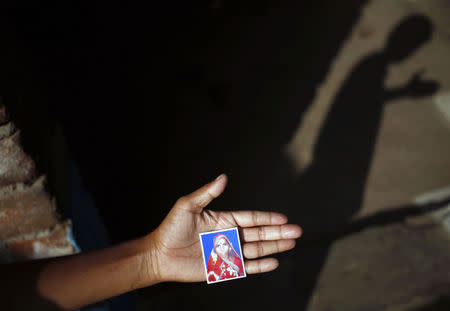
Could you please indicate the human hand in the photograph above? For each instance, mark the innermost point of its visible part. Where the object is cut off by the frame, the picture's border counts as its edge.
(174, 251)
(417, 87)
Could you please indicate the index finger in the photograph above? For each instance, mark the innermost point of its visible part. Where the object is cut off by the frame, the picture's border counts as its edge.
(258, 218)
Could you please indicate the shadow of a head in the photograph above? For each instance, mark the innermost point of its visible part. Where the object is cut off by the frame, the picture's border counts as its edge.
(407, 36)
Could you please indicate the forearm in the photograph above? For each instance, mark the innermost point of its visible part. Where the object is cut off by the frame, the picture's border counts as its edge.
(74, 281)
(393, 93)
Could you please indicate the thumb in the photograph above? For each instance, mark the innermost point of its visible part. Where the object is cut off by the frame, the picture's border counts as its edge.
(419, 73)
(199, 199)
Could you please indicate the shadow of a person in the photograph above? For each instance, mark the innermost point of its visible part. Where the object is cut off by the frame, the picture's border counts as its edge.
(331, 189)
(335, 181)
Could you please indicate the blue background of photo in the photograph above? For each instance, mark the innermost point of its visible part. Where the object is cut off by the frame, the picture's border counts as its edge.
(208, 242)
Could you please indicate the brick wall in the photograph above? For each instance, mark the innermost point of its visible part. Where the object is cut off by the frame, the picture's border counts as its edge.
(30, 225)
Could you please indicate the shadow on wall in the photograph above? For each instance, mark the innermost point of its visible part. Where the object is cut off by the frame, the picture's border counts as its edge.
(331, 190)
(155, 102)
(441, 304)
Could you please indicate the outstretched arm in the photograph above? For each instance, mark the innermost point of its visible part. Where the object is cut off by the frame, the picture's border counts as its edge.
(171, 253)
(71, 282)
(416, 87)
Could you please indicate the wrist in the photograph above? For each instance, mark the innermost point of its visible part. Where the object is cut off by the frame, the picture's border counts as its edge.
(148, 266)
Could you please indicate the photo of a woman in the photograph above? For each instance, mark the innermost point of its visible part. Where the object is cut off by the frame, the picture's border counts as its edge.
(224, 262)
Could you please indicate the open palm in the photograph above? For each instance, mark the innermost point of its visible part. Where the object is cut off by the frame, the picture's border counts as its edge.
(176, 252)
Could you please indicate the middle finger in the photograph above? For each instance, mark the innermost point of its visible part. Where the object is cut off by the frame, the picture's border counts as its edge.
(266, 233)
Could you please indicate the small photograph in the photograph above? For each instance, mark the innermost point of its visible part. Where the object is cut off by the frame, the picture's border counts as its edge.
(222, 255)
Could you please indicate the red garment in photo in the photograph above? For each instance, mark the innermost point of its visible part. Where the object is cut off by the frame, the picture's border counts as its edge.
(219, 268)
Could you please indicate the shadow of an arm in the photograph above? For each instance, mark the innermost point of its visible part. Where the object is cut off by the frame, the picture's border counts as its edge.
(394, 215)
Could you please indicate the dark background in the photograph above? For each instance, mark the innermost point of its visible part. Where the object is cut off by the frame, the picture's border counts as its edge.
(156, 100)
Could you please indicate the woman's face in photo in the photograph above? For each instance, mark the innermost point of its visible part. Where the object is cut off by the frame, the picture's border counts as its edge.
(222, 248)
